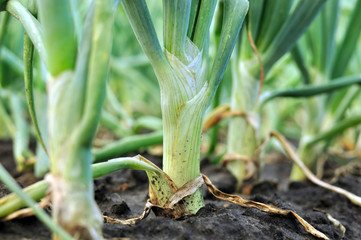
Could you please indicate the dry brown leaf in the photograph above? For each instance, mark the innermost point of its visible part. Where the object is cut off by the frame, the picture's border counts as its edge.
(293, 156)
(186, 190)
(251, 165)
(132, 221)
(191, 186)
(260, 206)
(220, 113)
(122, 187)
(214, 117)
(169, 209)
(334, 221)
(148, 207)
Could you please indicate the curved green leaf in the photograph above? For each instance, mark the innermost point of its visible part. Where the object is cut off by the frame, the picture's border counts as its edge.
(337, 129)
(37, 191)
(127, 145)
(234, 14)
(31, 25)
(29, 91)
(308, 91)
(349, 42)
(295, 25)
(141, 22)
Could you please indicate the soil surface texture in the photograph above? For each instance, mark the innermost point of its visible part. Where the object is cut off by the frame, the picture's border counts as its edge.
(123, 195)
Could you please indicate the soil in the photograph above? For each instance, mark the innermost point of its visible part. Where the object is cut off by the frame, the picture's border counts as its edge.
(123, 195)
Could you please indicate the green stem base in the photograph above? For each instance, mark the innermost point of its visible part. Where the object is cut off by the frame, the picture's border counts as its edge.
(74, 208)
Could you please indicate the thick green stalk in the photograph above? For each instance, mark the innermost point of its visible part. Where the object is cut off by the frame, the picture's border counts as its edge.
(177, 87)
(175, 31)
(76, 92)
(21, 139)
(183, 123)
(183, 82)
(73, 204)
(59, 30)
(242, 137)
(182, 113)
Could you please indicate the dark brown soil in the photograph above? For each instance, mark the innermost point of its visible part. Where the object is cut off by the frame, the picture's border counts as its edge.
(123, 195)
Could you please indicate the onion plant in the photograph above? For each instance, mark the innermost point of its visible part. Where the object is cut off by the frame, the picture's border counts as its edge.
(273, 27)
(187, 80)
(75, 50)
(327, 66)
(323, 62)
(12, 104)
(18, 128)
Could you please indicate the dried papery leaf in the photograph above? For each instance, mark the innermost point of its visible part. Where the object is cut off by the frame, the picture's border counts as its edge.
(214, 117)
(260, 206)
(221, 113)
(334, 221)
(186, 190)
(229, 157)
(27, 212)
(174, 207)
(161, 189)
(293, 156)
(251, 165)
(132, 221)
(171, 207)
(353, 168)
(148, 207)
